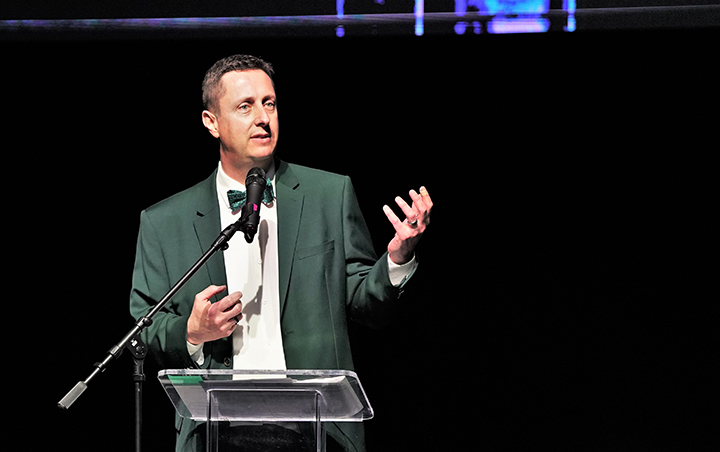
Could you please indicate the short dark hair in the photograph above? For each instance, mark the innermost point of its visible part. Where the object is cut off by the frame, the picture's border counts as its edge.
(212, 89)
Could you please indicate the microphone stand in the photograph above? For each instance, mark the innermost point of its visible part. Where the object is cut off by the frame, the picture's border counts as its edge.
(132, 340)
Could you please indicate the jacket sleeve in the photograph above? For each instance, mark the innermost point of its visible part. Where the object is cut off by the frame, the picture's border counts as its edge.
(371, 297)
(166, 337)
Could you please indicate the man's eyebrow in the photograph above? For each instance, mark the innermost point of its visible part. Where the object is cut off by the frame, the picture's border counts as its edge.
(252, 99)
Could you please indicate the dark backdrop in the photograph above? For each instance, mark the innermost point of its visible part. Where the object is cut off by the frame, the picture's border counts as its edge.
(563, 300)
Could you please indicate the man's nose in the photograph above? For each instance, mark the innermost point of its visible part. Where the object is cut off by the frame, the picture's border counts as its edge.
(262, 118)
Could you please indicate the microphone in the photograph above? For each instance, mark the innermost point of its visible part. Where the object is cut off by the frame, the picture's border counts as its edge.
(255, 183)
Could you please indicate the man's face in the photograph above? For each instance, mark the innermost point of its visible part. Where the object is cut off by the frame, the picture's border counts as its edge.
(245, 118)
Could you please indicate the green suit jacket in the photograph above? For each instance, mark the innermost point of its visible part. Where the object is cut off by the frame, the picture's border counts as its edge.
(328, 273)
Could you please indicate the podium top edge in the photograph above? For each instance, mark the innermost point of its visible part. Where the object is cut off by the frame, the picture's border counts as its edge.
(258, 372)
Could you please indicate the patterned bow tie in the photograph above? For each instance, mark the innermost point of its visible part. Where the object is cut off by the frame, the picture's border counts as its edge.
(237, 197)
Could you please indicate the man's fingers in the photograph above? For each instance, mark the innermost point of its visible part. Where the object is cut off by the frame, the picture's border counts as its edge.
(391, 215)
(409, 212)
(234, 312)
(229, 301)
(426, 197)
(421, 204)
(229, 307)
(209, 292)
(421, 201)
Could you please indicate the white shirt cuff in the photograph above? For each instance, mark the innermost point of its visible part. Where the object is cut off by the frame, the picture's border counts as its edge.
(398, 273)
(196, 353)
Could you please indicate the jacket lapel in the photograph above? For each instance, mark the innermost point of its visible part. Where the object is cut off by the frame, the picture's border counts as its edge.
(207, 229)
(290, 204)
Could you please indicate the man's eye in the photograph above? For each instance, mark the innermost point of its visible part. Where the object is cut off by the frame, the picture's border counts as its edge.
(244, 107)
(270, 105)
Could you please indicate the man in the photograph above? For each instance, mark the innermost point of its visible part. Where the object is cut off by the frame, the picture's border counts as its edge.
(291, 291)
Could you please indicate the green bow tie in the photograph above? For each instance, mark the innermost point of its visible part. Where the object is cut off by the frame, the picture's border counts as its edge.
(237, 197)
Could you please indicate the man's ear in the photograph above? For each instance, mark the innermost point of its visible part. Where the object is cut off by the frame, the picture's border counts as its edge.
(210, 122)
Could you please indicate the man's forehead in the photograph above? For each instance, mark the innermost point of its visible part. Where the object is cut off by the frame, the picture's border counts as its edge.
(253, 79)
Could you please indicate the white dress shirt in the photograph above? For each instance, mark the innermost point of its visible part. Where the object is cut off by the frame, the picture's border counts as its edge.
(252, 268)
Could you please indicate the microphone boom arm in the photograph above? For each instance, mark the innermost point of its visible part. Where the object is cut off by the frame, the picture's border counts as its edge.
(221, 243)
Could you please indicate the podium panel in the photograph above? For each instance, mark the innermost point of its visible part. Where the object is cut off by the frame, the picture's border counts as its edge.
(255, 397)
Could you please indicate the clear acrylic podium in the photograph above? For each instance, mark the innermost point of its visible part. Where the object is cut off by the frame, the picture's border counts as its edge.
(254, 397)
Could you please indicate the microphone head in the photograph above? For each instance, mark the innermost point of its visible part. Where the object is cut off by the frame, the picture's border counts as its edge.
(256, 176)
(255, 184)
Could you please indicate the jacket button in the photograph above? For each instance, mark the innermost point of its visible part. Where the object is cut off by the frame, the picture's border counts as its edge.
(227, 362)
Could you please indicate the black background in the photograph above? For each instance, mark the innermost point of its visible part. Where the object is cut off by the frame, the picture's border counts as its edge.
(564, 298)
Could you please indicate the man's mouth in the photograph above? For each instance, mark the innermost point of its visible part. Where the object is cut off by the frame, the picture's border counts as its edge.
(260, 136)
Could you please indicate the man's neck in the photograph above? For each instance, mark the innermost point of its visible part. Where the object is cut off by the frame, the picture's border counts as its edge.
(238, 171)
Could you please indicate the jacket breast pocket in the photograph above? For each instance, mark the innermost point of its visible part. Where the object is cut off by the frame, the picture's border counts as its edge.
(310, 251)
